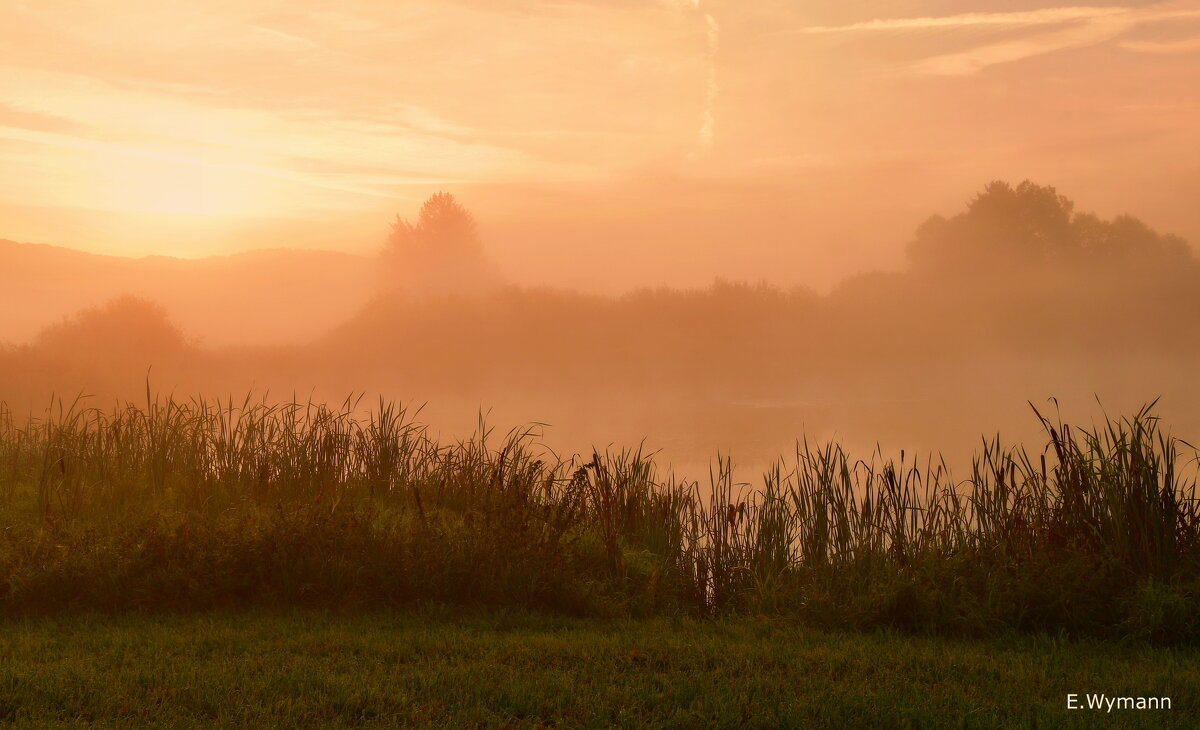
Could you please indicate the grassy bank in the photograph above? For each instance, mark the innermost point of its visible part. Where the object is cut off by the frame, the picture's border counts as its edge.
(172, 505)
(429, 668)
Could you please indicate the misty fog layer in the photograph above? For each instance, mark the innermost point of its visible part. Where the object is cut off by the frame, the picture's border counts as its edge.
(1015, 298)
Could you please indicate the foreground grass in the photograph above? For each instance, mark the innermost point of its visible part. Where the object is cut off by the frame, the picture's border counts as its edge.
(428, 668)
(177, 506)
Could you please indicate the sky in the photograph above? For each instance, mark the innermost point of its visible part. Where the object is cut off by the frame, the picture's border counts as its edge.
(601, 143)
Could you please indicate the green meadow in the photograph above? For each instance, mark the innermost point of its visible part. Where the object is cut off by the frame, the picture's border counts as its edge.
(454, 669)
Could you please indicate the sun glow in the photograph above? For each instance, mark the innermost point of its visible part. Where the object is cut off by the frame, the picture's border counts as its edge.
(132, 182)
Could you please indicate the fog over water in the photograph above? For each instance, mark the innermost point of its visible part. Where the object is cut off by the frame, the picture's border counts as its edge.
(1011, 299)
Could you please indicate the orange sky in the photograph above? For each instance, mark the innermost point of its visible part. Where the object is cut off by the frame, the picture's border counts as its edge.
(796, 142)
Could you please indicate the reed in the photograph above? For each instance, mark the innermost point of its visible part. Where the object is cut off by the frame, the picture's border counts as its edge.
(192, 503)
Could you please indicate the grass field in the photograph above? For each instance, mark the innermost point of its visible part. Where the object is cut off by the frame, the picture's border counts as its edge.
(510, 669)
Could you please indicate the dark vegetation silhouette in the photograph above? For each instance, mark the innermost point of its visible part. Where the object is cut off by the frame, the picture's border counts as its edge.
(256, 297)
(1005, 231)
(126, 329)
(174, 505)
(443, 225)
(1016, 274)
(439, 254)
(105, 349)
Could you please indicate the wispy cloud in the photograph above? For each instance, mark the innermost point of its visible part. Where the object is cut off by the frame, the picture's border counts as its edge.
(1185, 45)
(179, 158)
(1044, 16)
(1078, 35)
(110, 118)
(1048, 30)
(1081, 33)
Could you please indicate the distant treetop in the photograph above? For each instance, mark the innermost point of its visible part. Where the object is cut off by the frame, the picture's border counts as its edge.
(1007, 227)
(438, 254)
(443, 224)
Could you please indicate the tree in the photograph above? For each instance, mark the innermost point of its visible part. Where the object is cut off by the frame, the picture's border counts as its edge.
(440, 253)
(1006, 228)
(126, 328)
(443, 227)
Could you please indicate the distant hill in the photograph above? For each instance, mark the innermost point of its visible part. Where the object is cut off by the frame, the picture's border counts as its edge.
(260, 297)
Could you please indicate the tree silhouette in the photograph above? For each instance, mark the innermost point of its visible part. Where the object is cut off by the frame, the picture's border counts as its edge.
(127, 327)
(440, 253)
(1006, 228)
(443, 227)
